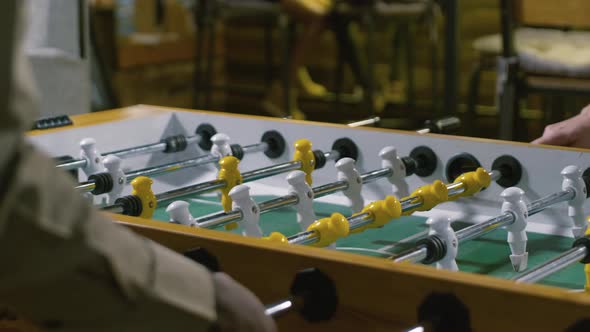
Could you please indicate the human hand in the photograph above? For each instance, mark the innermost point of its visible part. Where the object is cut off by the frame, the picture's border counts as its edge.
(573, 132)
(238, 309)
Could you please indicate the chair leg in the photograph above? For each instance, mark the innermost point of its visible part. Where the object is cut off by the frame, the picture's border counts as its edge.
(410, 65)
(268, 54)
(507, 95)
(287, 79)
(473, 99)
(200, 14)
(338, 80)
(350, 54)
(370, 64)
(210, 63)
(394, 62)
(433, 41)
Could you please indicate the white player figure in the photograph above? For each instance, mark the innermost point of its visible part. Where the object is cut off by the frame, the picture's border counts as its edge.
(179, 213)
(242, 201)
(348, 172)
(572, 180)
(390, 159)
(113, 167)
(440, 226)
(517, 239)
(298, 186)
(220, 147)
(94, 163)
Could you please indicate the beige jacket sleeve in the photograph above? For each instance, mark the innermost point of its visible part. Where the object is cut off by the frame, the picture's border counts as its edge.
(64, 265)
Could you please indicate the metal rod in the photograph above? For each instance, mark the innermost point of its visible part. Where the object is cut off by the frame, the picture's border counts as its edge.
(141, 149)
(277, 203)
(558, 263)
(332, 155)
(455, 189)
(279, 308)
(86, 187)
(199, 161)
(115, 208)
(149, 148)
(175, 166)
(480, 229)
(304, 238)
(127, 152)
(224, 218)
(485, 227)
(495, 175)
(374, 175)
(423, 131)
(329, 188)
(78, 163)
(506, 219)
(365, 122)
(204, 187)
(170, 167)
(195, 189)
(258, 147)
(542, 203)
(414, 255)
(265, 172)
(359, 220)
(218, 219)
(417, 328)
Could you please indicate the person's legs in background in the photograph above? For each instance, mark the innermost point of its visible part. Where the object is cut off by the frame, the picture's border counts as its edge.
(312, 14)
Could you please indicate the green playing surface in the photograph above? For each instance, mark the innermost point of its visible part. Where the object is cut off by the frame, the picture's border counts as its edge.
(486, 255)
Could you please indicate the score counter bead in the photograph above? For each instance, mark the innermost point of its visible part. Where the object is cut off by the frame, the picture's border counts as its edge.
(142, 188)
(304, 154)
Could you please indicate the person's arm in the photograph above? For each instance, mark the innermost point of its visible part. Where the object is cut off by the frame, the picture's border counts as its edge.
(66, 266)
(574, 132)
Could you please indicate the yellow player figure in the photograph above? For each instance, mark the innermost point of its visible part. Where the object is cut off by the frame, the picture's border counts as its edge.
(304, 154)
(330, 229)
(142, 188)
(430, 195)
(382, 212)
(473, 182)
(229, 172)
(276, 237)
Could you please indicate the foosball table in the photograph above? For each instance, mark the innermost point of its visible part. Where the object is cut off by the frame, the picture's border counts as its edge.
(348, 229)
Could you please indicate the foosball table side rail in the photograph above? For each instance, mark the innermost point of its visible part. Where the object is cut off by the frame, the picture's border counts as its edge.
(374, 294)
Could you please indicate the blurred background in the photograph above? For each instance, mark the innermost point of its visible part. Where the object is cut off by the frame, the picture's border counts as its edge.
(506, 68)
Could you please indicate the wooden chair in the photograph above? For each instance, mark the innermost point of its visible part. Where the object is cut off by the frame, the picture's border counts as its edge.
(208, 14)
(517, 76)
(404, 15)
